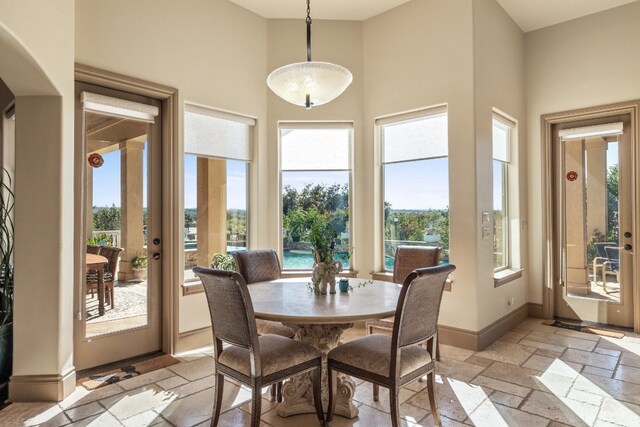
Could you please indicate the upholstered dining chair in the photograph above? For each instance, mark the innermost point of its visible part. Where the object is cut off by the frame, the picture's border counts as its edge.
(253, 360)
(262, 265)
(112, 254)
(393, 361)
(407, 259)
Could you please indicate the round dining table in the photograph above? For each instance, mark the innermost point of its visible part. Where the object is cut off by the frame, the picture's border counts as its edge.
(320, 320)
(98, 262)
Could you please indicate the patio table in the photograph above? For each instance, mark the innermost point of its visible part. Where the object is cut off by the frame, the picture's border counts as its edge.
(320, 320)
(97, 262)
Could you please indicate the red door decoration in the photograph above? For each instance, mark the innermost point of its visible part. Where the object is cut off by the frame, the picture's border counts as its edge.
(572, 175)
(96, 160)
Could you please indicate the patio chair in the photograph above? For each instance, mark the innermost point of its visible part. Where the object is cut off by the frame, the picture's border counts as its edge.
(255, 361)
(599, 260)
(407, 259)
(612, 265)
(260, 266)
(393, 361)
(111, 254)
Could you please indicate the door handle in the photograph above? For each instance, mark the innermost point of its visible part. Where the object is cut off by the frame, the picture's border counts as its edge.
(155, 256)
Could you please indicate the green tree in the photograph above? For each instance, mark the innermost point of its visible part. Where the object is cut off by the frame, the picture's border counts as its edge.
(189, 219)
(612, 202)
(107, 218)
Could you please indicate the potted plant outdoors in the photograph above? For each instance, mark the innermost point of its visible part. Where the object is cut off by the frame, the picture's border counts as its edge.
(223, 262)
(322, 238)
(139, 267)
(6, 279)
(296, 223)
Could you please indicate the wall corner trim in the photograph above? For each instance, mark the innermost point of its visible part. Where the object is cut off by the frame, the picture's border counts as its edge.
(42, 388)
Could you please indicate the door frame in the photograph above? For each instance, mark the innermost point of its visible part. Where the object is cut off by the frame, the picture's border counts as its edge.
(168, 97)
(547, 121)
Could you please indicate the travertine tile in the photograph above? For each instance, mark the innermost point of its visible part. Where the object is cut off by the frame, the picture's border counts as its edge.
(619, 414)
(462, 371)
(630, 359)
(192, 409)
(85, 411)
(581, 396)
(607, 373)
(619, 390)
(495, 415)
(553, 366)
(502, 386)
(506, 399)
(144, 379)
(32, 414)
(444, 422)
(532, 324)
(513, 374)
(578, 334)
(560, 409)
(608, 351)
(480, 361)
(171, 382)
(513, 336)
(555, 349)
(105, 419)
(364, 394)
(83, 397)
(137, 401)
(195, 369)
(148, 418)
(548, 353)
(451, 352)
(590, 358)
(561, 341)
(506, 352)
(628, 373)
(193, 387)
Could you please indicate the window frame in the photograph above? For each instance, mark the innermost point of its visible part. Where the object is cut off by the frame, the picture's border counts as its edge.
(316, 125)
(504, 122)
(380, 122)
(224, 115)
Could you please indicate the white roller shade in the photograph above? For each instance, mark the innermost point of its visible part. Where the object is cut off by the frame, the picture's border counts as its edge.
(317, 148)
(501, 138)
(416, 138)
(219, 134)
(608, 129)
(102, 104)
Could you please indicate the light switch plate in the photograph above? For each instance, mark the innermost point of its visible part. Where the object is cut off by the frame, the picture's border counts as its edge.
(485, 217)
(486, 234)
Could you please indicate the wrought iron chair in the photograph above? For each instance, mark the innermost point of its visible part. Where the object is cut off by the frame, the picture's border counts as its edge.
(393, 361)
(253, 360)
(262, 265)
(407, 259)
(599, 261)
(611, 266)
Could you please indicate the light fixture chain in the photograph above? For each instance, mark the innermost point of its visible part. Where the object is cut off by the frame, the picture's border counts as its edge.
(309, 30)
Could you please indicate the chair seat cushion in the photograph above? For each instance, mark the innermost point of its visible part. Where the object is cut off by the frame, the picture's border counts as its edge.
(372, 353)
(268, 327)
(276, 354)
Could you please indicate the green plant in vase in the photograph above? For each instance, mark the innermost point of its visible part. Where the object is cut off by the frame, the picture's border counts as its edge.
(223, 262)
(322, 238)
(139, 267)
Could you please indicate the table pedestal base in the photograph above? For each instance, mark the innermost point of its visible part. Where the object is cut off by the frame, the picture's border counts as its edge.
(297, 393)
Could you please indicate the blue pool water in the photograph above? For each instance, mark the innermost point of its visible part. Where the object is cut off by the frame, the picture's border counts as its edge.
(303, 260)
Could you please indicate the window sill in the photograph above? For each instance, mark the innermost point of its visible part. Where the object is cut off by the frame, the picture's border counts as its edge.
(387, 276)
(192, 288)
(505, 276)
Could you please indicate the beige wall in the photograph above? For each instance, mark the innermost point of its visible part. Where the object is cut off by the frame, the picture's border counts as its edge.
(582, 63)
(418, 55)
(339, 42)
(36, 44)
(499, 83)
(213, 52)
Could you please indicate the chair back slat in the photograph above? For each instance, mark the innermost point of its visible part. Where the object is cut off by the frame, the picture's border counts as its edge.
(258, 265)
(112, 254)
(613, 253)
(93, 249)
(601, 248)
(419, 305)
(232, 317)
(408, 258)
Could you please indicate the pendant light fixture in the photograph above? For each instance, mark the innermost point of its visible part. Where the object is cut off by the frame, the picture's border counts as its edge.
(309, 83)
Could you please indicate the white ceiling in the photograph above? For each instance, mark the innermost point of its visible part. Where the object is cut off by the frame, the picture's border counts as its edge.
(528, 14)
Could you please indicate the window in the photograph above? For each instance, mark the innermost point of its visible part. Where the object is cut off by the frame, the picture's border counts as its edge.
(502, 132)
(315, 164)
(415, 171)
(218, 148)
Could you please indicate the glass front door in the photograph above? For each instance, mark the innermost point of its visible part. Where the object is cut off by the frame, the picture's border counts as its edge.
(118, 311)
(594, 214)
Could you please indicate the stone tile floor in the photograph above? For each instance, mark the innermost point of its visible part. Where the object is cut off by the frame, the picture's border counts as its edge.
(535, 375)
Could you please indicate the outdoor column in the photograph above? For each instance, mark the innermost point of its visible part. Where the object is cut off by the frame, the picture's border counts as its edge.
(212, 208)
(596, 186)
(576, 243)
(131, 196)
(89, 201)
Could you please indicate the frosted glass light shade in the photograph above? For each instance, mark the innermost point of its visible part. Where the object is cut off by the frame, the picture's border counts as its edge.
(322, 81)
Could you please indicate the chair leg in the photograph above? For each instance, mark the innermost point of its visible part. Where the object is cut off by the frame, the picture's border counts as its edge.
(218, 390)
(394, 406)
(437, 349)
(431, 389)
(279, 392)
(317, 393)
(273, 392)
(333, 392)
(376, 392)
(256, 405)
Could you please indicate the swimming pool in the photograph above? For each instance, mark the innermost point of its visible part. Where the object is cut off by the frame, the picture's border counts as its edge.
(303, 260)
